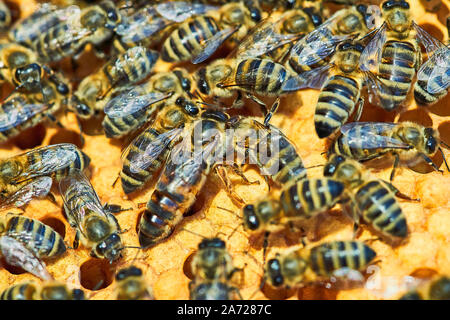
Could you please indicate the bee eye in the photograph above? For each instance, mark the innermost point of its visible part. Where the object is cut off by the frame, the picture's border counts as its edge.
(255, 14)
(388, 4)
(362, 8)
(112, 15)
(359, 48)
(191, 109)
(62, 88)
(404, 4)
(251, 220)
(274, 270)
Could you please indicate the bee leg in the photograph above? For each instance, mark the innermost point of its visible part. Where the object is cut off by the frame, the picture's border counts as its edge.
(396, 162)
(114, 208)
(359, 110)
(76, 241)
(221, 172)
(80, 129)
(261, 104)
(53, 119)
(265, 245)
(398, 193)
(238, 102)
(51, 197)
(240, 173)
(238, 293)
(431, 163)
(273, 109)
(115, 181)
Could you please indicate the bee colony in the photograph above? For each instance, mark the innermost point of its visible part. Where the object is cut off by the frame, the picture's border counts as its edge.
(359, 209)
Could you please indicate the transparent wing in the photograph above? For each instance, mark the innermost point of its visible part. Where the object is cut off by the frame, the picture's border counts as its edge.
(314, 78)
(430, 43)
(79, 197)
(37, 188)
(371, 56)
(211, 45)
(262, 39)
(377, 88)
(133, 101)
(371, 135)
(14, 115)
(436, 71)
(17, 254)
(153, 150)
(179, 11)
(52, 158)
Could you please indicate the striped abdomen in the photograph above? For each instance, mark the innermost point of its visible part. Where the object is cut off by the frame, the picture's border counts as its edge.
(335, 105)
(380, 209)
(21, 291)
(130, 67)
(262, 76)
(422, 95)
(38, 237)
(131, 180)
(396, 70)
(329, 257)
(309, 197)
(117, 127)
(175, 193)
(187, 39)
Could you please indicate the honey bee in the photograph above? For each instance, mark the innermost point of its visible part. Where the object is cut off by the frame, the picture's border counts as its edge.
(199, 37)
(124, 70)
(330, 259)
(25, 110)
(316, 49)
(436, 289)
(147, 153)
(19, 66)
(95, 225)
(213, 271)
(79, 27)
(372, 199)
(5, 17)
(408, 142)
(433, 78)
(28, 174)
(394, 52)
(51, 290)
(131, 285)
(131, 109)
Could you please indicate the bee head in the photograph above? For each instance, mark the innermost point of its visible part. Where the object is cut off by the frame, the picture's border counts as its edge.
(316, 18)
(333, 164)
(251, 220)
(55, 292)
(81, 109)
(78, 294)
(212, 243)
(211, 256)
(430, 140)
(440, 289)
(113, 16)
(255, 14)
(342, 169)
(183, 79)
(397, 15)
(273, 273)
(29, 77)
(110, 248)
(257, 215)
(128, 272)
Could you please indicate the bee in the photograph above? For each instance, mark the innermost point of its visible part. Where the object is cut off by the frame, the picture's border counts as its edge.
(316, 49)
(25, 110)
(51, 290)
(30, 173)
(91, 25)
(131, 285)
(5, 17)
(199, 37)
(243, 72)
(213, 271)
(124, 70)
(394, 52)
(408, 142)
(432, 78)
(183, 177)
(95, 224)
(372, 199)
(436, 289)
(19, 66)
(131, 109)
(147, 153)
(330, 259)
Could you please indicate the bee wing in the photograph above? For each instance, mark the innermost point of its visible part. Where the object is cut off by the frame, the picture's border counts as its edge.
(17, 254)
(78, 184)
(132, 101)
(430, 43)
(13, 116)
(53, 158)
(261, 39)
(370, 135)
(371, 56)
(179, 11)
(376, 89)
(439, 78)
(212, 44)
(152, 151)
(314, 78)
(37, 188)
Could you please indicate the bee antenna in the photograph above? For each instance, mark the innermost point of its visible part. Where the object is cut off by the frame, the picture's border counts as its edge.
(443, 157)
(194, 233)
(445, 144)
(234, 230)
(230, 211)
(316, 166)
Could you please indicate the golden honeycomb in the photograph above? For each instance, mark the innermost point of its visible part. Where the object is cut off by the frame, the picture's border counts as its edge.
(166, 266)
